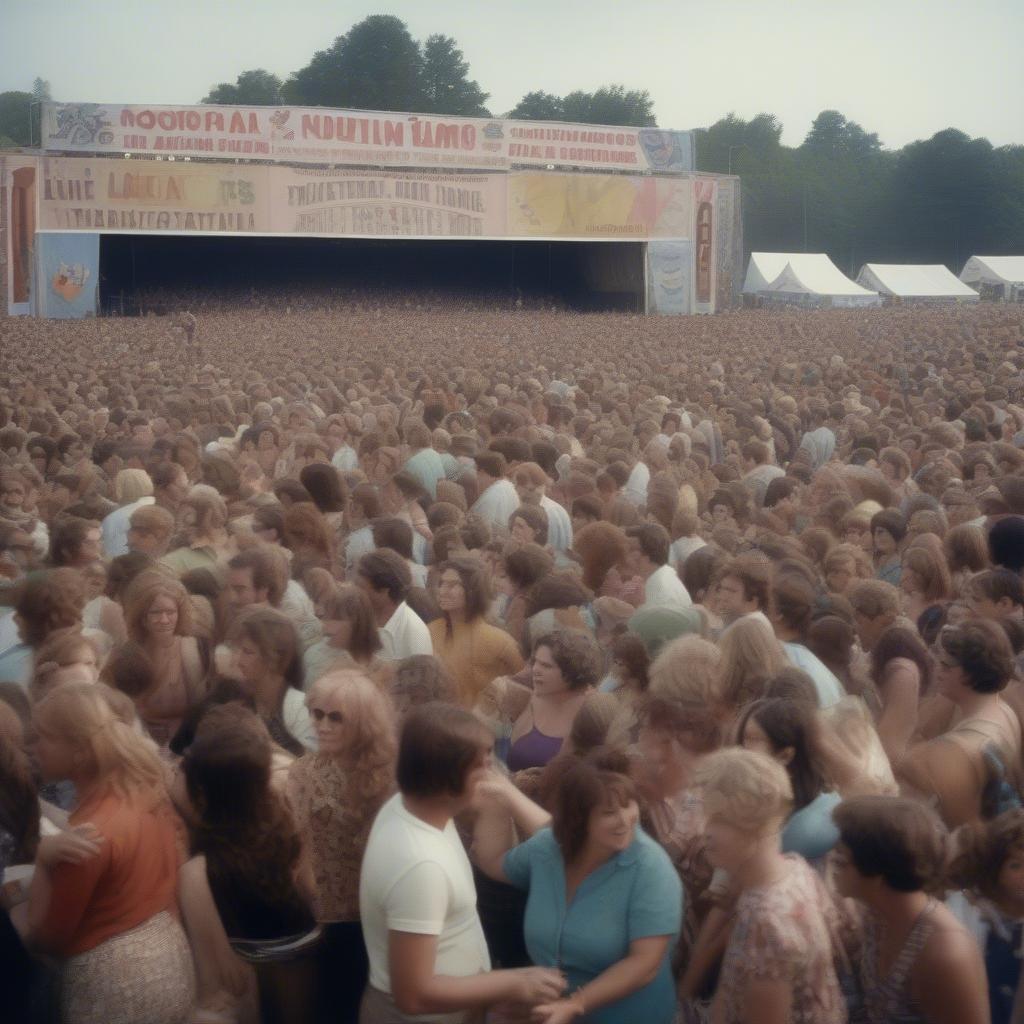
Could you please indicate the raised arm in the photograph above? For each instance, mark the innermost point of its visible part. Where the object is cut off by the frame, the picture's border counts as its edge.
(500, 806)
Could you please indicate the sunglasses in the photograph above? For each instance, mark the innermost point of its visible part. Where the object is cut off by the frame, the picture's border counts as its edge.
(334, 717)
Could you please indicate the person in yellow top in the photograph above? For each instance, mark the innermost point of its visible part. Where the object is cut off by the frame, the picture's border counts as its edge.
(473, 650)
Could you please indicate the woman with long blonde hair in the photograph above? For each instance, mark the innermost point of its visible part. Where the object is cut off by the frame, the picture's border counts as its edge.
(750, 657)
(109, 917)
(335, 795)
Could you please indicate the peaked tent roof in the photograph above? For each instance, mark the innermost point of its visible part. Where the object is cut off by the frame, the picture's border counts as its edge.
(997, 269)
(915, 281)
(805, 273)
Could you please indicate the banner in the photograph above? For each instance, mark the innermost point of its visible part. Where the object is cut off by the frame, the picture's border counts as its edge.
(18, 230)
(388, 203)
(669, 271)
(610, 206)
(704, 268)
(358, 137)
(149, 196)
(68, 275)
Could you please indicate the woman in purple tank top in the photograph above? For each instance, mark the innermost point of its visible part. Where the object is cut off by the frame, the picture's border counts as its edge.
(566, 666)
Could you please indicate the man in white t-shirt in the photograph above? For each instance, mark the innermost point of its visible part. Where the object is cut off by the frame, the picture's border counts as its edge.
(417, 899)
(648, 548)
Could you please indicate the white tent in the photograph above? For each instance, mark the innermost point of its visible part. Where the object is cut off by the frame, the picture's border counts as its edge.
(921, 282)
(999, 277)
(804, 278)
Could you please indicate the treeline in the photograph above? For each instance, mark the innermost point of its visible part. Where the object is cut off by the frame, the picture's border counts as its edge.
(935, 201)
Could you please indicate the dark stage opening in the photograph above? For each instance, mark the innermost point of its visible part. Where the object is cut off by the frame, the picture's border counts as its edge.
(158, 273)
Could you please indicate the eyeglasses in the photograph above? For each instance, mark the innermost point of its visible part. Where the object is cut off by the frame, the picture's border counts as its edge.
(334, 717)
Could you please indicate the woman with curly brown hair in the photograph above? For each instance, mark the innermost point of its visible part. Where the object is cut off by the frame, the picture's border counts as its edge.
(335, 795)
(158, 617)
(604, 549)
(308, 536)
(240, 894)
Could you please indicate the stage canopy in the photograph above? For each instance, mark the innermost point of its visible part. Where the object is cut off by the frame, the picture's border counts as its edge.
(1000, 277)
(804, 278)
(923, 282)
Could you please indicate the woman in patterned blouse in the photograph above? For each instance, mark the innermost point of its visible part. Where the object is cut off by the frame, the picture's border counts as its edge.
(335, 794)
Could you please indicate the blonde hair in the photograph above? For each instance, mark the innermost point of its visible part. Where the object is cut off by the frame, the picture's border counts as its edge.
(746, 789)
(370, 741)
(750, 657)
(687, 671)
(132, 484)
(140, 595)
(119, 758)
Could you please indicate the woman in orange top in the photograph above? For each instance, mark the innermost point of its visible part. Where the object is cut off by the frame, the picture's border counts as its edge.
(110, 917)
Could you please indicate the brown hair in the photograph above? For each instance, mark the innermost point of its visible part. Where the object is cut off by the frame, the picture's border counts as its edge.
(49, 600)
(932, 571)
(601, 546)
(306, 527)
(261, 565)
(754, 573)
(599, 778)
(983, 849)
(66, 538)
(350, 604)
(19, 801)
(140, 595)
(535, 518)
(475, 583)
(982, 650)
(525, 564)
(898, 839)
(154, 520)
(966, 548)
(575, 654)
(438, 745)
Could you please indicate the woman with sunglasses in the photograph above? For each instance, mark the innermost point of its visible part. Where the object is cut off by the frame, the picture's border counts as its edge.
(971, 770)
(335, 795)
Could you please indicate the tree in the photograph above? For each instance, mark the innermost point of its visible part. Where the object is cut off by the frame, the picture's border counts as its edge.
(376, 65)
(14, 119)
(256, 88)
(832, 135)
(538, 106)
(445, 82)
(611, 104)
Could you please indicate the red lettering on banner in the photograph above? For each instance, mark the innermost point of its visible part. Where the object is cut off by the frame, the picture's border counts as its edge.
(214, 121)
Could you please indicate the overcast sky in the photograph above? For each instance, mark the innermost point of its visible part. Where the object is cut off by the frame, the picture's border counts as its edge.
(903, 68)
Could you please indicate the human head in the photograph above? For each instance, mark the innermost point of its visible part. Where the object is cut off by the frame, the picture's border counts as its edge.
(47, 601)
(530, 482)
(876, 605)
(325, 486)
(66, 655)
(253, 579)
(130, 485)
(649, 547)
(743, 586)
(750, 656)
(443, 752)
(990, 858)
(149, 530)
(924, 572)
(995, 594)
(888, 528)
(349, 623)
(565, 661)
(420, 679)
(354, 722)
(786, 732)
(386, 578)
(529, 524)
(595, 804)
(843, 565)
(747, 796)
(966, 549)
(1006, 543)
(75, 542)
(156, 606)
(463, 587)
(266, 649)
(887, 843)
(80, 737)
(973, 657)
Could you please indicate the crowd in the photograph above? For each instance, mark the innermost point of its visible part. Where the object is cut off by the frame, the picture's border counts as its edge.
(396, 661)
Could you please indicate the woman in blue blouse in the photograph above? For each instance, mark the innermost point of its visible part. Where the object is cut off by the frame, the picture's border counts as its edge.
(604, 904)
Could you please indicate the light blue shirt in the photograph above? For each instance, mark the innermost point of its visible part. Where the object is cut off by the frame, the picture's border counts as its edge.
(811, 832)
(426, 466)
(636, 894)
(16, 665)
(830, 690)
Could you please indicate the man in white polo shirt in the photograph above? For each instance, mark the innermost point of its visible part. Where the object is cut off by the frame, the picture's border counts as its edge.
(648, 552)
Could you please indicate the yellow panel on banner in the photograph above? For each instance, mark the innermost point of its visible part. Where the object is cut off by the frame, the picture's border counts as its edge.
(598, 206)
(149, 196)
